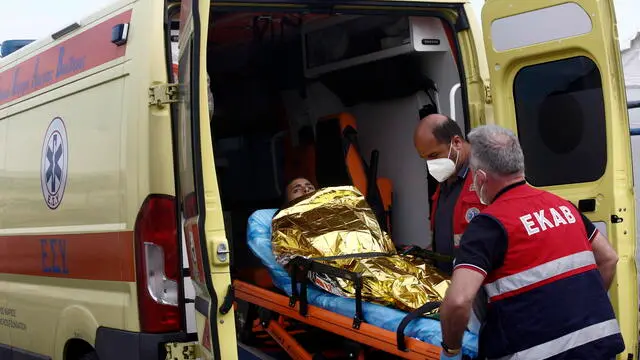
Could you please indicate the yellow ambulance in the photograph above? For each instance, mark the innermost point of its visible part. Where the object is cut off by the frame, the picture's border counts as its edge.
(125, 191)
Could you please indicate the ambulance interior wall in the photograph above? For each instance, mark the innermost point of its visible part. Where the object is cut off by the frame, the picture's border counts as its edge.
(388, 126)
(249, 151)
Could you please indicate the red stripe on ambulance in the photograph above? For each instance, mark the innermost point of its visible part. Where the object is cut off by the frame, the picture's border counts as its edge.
(87, 50)
(98, 256)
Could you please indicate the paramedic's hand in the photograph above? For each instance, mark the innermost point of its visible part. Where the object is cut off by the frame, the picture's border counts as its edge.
(444, 356)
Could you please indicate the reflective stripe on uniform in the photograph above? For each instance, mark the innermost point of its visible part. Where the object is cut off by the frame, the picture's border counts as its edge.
(540, 273)
(567, 342)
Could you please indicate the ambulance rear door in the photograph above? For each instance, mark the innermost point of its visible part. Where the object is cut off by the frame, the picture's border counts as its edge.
(203, 226)
(556, 80)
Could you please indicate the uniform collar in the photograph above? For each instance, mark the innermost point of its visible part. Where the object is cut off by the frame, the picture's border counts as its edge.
(464, 170)
(461, 175)
(507, 188)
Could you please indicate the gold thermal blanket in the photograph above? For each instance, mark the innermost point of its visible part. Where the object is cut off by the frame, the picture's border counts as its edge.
(337, 221)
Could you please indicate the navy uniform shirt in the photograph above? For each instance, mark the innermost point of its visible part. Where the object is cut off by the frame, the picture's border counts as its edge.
(443, 227)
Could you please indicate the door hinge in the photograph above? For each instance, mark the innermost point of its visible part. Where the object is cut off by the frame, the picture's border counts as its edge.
(181, 351)
(487, 93)
(162, 94)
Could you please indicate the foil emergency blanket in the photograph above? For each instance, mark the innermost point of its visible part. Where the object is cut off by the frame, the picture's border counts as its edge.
(337, 221)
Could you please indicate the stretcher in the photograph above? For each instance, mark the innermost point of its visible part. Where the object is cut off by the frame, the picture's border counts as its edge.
(393, 331)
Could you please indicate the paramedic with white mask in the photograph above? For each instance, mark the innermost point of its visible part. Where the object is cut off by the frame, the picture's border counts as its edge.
(544, 266)
(439, 140)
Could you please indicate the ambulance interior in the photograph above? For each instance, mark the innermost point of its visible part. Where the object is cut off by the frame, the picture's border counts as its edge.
(291, 91)
(278, 80)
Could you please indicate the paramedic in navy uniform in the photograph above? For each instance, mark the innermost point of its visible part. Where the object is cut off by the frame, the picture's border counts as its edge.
(544, 266)
(439, 140)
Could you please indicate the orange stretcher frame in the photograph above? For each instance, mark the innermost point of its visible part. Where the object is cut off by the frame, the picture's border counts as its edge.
(367, 334)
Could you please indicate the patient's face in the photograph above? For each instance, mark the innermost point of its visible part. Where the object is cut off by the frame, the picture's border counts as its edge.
(298, 188)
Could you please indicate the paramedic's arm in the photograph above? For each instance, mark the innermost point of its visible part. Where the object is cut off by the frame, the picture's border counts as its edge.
(482, 249)
(606, 256)
(456, 307)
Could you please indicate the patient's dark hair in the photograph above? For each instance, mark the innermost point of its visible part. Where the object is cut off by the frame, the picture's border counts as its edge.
(289, 180)
(446, 130)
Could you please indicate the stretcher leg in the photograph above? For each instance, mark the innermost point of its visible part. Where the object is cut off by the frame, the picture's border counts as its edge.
(367, 334)
(286, 341)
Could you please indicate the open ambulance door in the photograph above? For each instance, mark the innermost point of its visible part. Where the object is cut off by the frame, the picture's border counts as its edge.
(556, 80)
(199, 200)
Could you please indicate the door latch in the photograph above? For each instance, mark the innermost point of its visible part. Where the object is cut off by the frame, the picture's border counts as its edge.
(222, 252)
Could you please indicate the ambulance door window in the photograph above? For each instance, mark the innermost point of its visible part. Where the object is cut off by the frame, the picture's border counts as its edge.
(561, 121)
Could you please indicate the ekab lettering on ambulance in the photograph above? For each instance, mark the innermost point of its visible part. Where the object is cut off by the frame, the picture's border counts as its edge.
(542, 223)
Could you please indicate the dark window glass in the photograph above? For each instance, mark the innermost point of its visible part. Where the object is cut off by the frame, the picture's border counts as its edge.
(356, 37)
(561, 121)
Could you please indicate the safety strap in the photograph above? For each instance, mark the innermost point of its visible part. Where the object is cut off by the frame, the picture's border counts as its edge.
(426, 254)
(367, 255)
(300, 265)
(428, 307)
(374, 199)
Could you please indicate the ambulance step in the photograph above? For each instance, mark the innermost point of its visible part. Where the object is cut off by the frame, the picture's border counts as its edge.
(249, 353)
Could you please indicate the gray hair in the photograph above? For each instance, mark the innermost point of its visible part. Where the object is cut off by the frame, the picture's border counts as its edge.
(496, 150)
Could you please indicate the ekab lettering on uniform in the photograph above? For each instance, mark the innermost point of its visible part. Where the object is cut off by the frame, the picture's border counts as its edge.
(542, 222)
(54, 256)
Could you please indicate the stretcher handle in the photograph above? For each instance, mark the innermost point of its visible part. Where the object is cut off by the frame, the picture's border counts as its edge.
(400, 338)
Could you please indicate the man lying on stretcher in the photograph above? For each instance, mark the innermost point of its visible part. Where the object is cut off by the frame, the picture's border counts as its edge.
(338, 222)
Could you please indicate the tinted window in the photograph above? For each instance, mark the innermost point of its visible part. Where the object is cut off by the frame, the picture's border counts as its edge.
(561, 121)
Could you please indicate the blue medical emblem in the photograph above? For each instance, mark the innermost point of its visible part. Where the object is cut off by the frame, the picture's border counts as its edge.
(53, 177)
(54, 170)
(471, 213)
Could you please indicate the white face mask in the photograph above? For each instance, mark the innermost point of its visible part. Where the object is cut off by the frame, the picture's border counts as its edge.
(442, 169)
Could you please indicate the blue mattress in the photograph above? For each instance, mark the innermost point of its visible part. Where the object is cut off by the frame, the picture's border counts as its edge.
(423, 329)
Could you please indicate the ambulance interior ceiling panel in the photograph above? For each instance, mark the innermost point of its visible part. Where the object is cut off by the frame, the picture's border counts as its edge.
(257, 56)
(234, 29)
